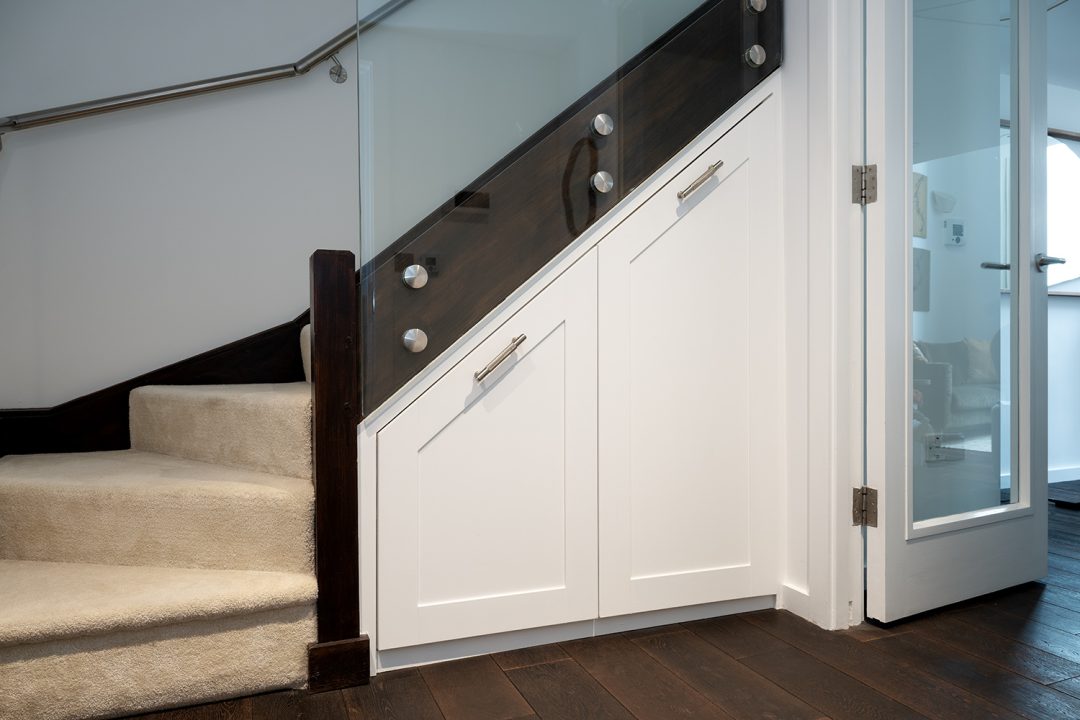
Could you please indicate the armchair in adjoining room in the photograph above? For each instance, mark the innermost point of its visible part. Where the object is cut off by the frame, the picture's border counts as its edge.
(959, 383)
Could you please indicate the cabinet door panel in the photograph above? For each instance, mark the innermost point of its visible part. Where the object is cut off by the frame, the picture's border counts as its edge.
(487, 491)
(690, 377)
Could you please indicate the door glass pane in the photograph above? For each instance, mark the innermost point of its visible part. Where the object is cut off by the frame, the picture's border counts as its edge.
(963, 241)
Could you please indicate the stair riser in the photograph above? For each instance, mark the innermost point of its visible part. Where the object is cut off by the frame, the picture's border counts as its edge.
(138, 527)
(171, 666)
(256, 431)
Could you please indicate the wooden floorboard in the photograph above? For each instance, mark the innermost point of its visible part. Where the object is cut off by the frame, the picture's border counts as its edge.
(980, 677)
(563, 690)
(735, 688)
(1027, 603)
(988, 619)
(401, 695)
(1020, 658)
(834, 693)
(644, 686)
(284, 705)
(474, 689)
(1013, 654)
(928, 694)
(735, 637)
(530, 656)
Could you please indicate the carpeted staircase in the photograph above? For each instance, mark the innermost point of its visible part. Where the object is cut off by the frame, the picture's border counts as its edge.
(177, 572)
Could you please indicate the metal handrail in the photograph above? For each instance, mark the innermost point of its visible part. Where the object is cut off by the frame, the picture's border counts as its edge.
(25, 121)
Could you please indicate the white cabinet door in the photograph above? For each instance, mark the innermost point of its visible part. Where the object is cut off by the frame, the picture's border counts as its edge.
(487, 490)
(690, 388)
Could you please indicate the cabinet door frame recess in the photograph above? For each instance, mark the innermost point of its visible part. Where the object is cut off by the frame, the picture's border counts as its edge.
(491, 632)
(510, 446)
(691, 404)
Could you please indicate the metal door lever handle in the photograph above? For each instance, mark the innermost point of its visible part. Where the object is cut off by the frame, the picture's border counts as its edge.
(701, 180)
(499, 359)
(995, 266)
(1041, 261)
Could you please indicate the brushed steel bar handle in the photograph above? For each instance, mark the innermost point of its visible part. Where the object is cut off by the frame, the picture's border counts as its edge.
(701, 180)
(1041, 261)
(499, 359)
(995, 266)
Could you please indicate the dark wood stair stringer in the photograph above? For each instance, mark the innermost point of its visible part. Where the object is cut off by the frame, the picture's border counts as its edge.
(99, 421)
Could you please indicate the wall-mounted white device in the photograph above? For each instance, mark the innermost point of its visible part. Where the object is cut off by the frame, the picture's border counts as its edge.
(954, 232)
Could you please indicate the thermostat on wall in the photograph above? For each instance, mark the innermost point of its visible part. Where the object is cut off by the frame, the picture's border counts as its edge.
(954, 232)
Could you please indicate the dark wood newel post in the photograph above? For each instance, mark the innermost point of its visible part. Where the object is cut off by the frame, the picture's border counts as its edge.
(340, 658)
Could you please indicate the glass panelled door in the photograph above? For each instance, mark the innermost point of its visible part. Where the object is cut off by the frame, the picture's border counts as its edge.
(960, 407)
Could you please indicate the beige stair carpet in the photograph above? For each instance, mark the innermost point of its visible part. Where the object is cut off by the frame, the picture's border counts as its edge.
(89, 641)
(265, 427)
(136, 508)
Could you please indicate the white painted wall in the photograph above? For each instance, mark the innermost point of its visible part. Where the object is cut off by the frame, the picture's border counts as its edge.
(1063, 352)
(133, 240)
(964, 298)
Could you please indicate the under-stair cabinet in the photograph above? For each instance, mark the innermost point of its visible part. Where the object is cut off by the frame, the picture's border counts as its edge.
(605, 443)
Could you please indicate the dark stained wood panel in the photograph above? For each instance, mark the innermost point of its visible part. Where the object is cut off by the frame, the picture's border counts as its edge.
(276, 706)
(1022, 659)
(339, 664)
(323, 706)
(1026, 630)
(474, 689)
(839, 696)
(401, 695)
(921, 691)
(999, 686)
(538, 199)
(1066, 494)
(564, 691)
(1027, 604)
(735, 637)
(644, 686)
(1069, 687)
(738, 690)
(99, 421)
(511, 659)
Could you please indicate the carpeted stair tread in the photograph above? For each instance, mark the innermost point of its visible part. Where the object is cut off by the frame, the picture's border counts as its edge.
(263, 427)
(45, 601)
(130, 507)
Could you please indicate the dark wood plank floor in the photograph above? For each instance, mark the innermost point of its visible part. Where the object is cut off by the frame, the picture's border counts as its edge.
(1014, 654)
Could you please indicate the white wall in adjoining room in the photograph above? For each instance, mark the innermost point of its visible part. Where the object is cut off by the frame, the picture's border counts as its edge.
(1063, 311)
(1063, 354)
(135, 239)
(964, 297)
(957, 146)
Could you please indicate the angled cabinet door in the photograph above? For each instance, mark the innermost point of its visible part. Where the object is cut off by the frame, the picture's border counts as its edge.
(487, 488)
(690, 388)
